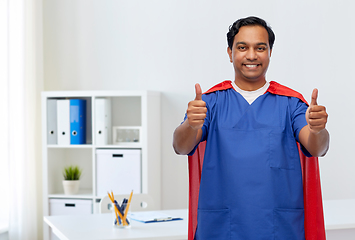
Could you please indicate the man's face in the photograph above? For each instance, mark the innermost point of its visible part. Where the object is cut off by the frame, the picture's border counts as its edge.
(250, 54)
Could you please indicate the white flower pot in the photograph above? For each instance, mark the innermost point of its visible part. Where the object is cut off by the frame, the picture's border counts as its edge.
(71, 187)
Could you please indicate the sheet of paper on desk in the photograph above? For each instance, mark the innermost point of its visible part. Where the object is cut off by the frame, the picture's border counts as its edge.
(149, 217)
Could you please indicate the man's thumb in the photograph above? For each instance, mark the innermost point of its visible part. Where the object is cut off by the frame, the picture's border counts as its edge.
(198, 92)
(314, 97)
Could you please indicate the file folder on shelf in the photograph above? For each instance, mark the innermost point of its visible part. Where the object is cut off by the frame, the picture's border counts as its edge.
(77, 121)
(102, 121)
(51, 121)
(63, 122)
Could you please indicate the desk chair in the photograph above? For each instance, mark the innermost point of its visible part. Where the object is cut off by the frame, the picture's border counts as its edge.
(139, 202)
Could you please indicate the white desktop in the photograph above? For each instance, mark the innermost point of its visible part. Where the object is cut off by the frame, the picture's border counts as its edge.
(100, 226)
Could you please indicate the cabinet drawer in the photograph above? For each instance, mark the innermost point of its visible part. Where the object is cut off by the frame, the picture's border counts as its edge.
(69, 207)
(119, 171)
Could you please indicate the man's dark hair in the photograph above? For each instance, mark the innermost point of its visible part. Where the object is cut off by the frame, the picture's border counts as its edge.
(249, 21)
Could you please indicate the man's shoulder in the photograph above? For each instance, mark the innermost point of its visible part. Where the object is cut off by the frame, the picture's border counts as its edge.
(274, 88)
(279, 89)
(227, 84)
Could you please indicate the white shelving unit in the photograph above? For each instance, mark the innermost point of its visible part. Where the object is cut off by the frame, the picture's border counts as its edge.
(128, 108)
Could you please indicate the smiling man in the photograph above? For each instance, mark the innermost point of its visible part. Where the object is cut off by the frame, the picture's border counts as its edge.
(250, 54)
(251, 182)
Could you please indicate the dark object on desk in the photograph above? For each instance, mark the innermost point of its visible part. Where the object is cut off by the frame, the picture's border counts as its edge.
(151, 217)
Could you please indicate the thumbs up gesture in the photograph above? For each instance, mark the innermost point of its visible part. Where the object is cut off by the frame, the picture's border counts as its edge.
(196, 111)
(316, 115)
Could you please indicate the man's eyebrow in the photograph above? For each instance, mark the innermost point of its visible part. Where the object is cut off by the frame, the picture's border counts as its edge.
(237, 43)
(244, 43)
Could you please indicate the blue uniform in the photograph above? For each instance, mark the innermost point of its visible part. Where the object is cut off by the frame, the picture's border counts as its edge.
(251, 182)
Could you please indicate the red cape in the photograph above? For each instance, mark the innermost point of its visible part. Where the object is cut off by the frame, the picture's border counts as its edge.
(313, 205)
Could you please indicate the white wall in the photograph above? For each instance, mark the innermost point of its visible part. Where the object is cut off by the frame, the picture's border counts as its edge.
(172, 44)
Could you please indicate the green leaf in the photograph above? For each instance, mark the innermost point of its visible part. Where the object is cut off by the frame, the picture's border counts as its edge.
(72, 173)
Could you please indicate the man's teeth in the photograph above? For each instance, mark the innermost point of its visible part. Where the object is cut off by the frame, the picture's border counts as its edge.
(251, 65)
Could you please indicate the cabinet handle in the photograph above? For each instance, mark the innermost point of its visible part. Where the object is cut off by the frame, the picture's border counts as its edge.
(70, 204)
(117, 155)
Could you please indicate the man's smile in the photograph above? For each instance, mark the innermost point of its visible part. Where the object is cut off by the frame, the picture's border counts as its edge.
(251, 65)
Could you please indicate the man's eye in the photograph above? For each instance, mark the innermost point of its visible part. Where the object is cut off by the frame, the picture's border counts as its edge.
(260, 49)
(241, 47)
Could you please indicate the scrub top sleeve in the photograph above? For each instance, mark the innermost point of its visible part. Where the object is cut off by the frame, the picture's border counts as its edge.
(203, 137)
(299, 120)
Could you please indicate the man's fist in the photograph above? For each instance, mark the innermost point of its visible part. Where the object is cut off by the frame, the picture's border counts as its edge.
(196, 111)
(316, 115)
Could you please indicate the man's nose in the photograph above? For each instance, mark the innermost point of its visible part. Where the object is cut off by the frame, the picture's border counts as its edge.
(251, 54)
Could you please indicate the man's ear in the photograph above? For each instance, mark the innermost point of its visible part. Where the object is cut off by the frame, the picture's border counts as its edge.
(229, 51)
(270, 52)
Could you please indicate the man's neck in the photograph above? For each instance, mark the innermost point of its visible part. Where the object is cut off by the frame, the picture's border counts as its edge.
(250, 85)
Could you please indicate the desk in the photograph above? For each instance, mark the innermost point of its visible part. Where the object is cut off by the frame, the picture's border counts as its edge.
(100, 226)
(339, 218)
(339, 214)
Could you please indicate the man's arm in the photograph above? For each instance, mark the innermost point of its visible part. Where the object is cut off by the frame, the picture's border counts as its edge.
(189, 133)
(314, 136)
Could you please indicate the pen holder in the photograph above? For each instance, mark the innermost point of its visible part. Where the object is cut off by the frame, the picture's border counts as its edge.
(116, 217)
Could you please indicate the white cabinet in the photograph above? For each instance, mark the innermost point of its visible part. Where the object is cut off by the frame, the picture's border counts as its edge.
(69, 207)
(118, 170)
(105, 112)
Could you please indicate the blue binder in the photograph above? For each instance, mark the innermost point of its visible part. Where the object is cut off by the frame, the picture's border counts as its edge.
(77, 121)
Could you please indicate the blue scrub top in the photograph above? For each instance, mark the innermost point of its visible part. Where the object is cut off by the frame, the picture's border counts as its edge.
(251, 182)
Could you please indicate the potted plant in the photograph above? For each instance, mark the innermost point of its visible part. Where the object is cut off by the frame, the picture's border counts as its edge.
(71, 180)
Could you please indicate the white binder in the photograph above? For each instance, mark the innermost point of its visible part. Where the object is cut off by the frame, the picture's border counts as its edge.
(102, 121)
(63, 122)
(51, 121)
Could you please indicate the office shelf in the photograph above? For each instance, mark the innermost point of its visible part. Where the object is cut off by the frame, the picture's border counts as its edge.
(127, 108)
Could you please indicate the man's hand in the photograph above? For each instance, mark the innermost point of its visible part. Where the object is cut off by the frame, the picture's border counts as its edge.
(316, 115)
(189, 133)
(196, 111)
(314, 136)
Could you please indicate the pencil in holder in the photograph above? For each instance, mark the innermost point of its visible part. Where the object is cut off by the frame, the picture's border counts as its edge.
(118, 215)
(120, 211)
